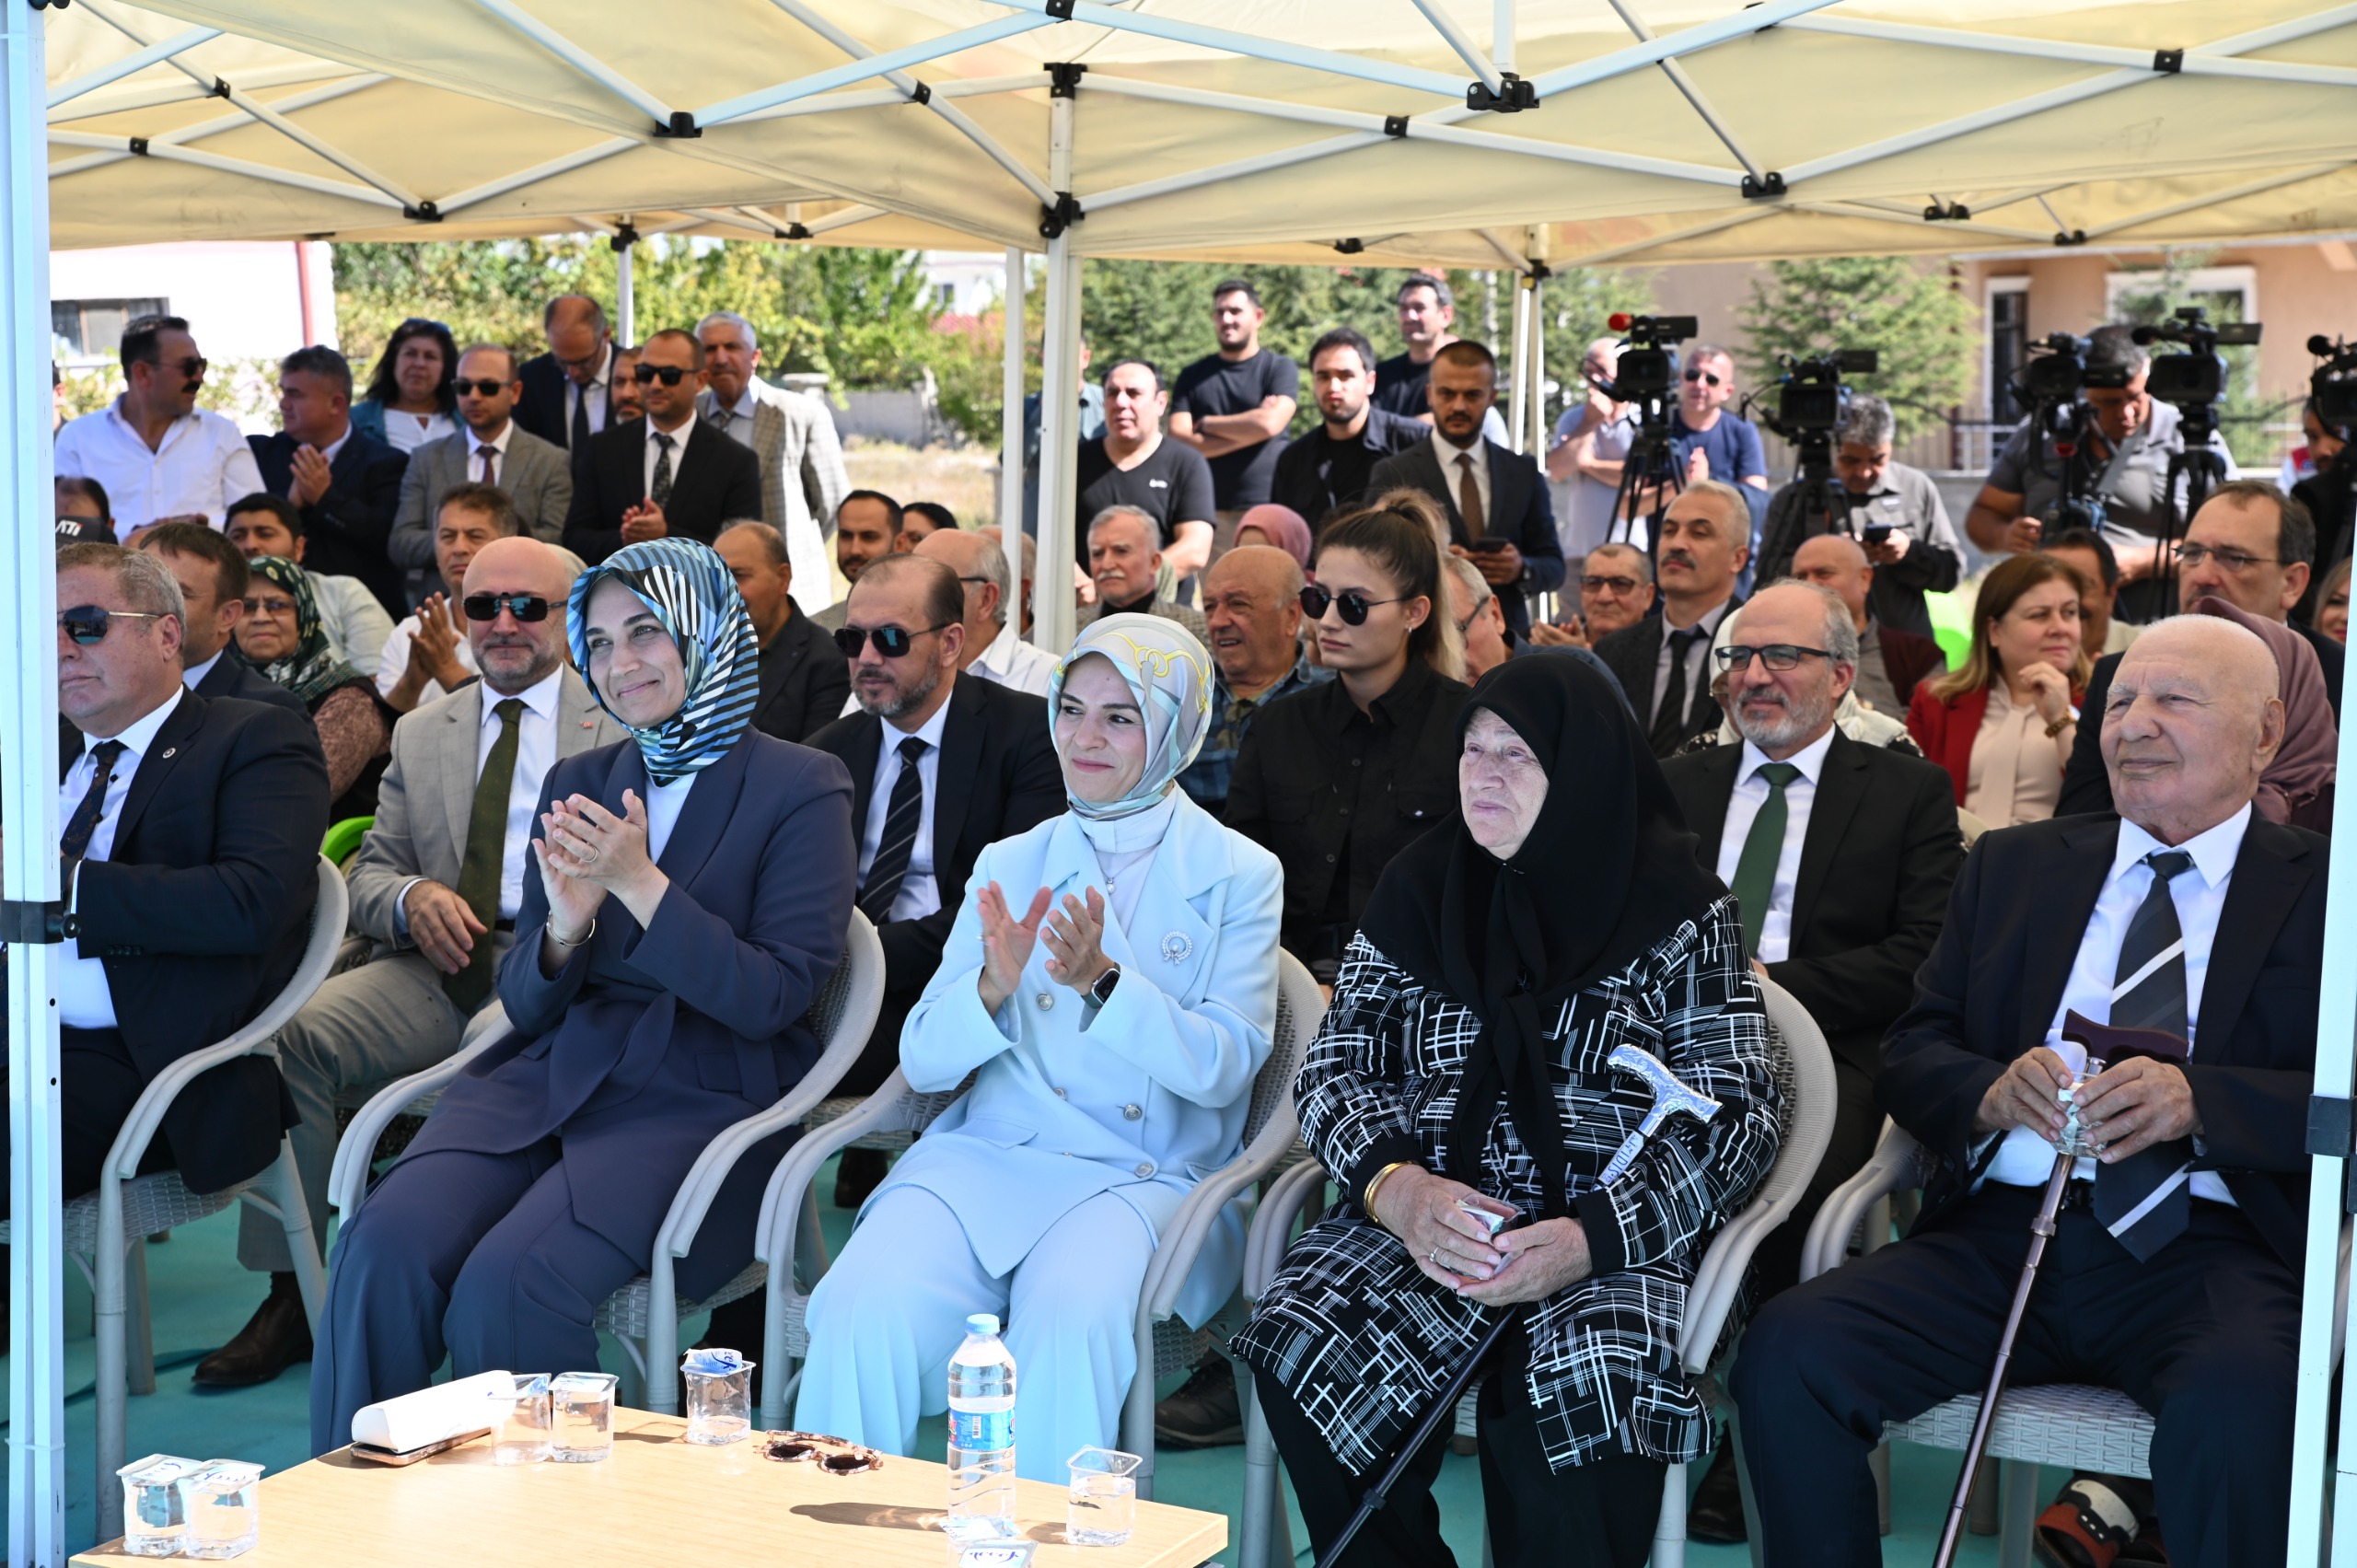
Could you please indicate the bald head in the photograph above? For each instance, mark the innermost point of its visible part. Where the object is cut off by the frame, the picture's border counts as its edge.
(2192, 719)
(1252, 608)
(516, 655)
(1835, 561)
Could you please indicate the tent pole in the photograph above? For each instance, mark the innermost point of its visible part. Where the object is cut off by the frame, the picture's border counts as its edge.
(625, 285)
(1052, 614)
(1010, 461)
(29, 865)
(1518, 398)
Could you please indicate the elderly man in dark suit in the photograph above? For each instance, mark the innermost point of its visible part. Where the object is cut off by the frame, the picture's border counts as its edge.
(804, 682)
(670, 474)
(347, 485)
(191, 831)
(2173, 1275)
(1664, 661)
(568, 391)
(1842, 856)
(1498, 511)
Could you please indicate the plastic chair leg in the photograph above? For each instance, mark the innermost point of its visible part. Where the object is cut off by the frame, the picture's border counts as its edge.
(285, 1182)
(1669, 1533)
(1743, 1489)
(138, 1325)
(1980, 1512)
(1137, 1406)
(107, 1312)
(1263, 1518)
(809, 1242)
(2018, 1486)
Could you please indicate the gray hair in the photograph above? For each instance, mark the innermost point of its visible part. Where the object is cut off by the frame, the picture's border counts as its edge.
(1640, 561)
(1865, 421)
(1120, 509)
(772, 543)
(1840, 631)
(730, 318)
(990, 562)
(1470, 576)
(1739, 509)
(145, 580)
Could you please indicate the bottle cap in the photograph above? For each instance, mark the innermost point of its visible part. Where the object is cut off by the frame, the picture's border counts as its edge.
(985, 1324)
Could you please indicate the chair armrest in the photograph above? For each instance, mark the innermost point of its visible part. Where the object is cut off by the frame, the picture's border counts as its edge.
(1184, 1238)
(1264, 1246)
(1897, 1164)
(257, 1038)
(1718, 1282)
(356, 1149)
(886, 1110)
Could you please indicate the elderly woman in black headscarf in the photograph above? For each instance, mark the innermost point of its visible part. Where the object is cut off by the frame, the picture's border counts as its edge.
(1463, 1067)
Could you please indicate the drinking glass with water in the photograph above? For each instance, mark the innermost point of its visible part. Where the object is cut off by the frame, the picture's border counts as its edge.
(223, 1504)
(720, 1396)
(155, 1514)
(581, 1413)
(520, 1423)
(981, 1436)
(1103, 1507)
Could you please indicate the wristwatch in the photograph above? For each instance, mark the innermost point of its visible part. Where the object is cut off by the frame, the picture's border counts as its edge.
(1102, 991)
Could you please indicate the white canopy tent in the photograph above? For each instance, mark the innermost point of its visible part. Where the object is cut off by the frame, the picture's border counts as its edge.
(1451, 132)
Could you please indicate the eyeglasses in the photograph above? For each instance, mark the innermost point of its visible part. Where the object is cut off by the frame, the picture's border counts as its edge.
(977, 579)
(1350, 602)
(1593, 584)
(194, 366)
(667, 373)
(1710, 377)
(87, 623)
(487, 388)
(891, 642)
(2236, 561)
(486, 607)
(269, 606)
(1776, 656)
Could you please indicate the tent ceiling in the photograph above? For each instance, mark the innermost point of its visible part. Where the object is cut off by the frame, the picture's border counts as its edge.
(1218, 128)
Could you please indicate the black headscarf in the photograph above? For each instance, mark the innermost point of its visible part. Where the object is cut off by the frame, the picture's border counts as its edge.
(1607, 871)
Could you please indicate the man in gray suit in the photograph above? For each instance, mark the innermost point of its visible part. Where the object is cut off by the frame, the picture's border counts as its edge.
(491, 450)
(803, 477)
(434, 890)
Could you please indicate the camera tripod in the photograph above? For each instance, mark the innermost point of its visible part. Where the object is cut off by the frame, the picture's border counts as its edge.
(1651, 465)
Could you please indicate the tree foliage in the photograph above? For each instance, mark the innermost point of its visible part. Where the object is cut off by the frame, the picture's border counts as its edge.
(1917, 321)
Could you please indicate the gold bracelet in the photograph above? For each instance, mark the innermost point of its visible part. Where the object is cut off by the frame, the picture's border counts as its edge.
(2059, 726)
(1367, 1200)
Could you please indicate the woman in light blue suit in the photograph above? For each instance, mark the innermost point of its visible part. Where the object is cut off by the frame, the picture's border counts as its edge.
(1113, 1044)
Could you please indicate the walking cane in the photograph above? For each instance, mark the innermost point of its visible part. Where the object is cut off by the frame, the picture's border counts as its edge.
(1671, 1097)
(2104, 1046)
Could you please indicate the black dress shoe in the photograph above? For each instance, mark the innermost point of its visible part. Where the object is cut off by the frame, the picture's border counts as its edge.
(1715, 1516)
(859, 1172)
(274, 1338)
(1204, 1411)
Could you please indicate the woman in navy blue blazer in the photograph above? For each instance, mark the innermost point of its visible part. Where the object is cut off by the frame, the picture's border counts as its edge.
(691, 898)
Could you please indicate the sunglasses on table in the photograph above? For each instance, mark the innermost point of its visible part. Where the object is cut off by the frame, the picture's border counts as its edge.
(1777, 657)
(87, 623)
(667, 373)
(1353, 604)
(489, 387)
(891, 642)
(486, 607)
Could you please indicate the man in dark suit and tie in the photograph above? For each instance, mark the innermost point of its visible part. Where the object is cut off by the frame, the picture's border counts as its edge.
(805, 680)
(347, 485)
(1499, 516)
(1664, 661)
(2174, 1272)
(191, 833)
(211, 575)
(568, 391)
(1842, 856)
(669, 473)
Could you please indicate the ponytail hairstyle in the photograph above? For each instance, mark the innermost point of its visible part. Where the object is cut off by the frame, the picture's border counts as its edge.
(1401, 548)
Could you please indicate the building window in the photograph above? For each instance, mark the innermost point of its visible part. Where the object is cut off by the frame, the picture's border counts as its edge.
(2008, 345)
(92, 329)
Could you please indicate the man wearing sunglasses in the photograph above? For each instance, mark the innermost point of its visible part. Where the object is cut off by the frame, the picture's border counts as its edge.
(347, 485)
(1709, 442)
(190, 832)
(492, 447)
(157, 453)
(1842, 856)
(803, 477)
(669, 475)
(434, 890)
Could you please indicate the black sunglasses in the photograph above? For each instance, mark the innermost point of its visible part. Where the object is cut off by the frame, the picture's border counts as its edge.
(87, 623)
(1703, 375)
(1353, 604)
(667, 373)
(1776, 656)
(488, 387)
(486, 607)
(891, 642)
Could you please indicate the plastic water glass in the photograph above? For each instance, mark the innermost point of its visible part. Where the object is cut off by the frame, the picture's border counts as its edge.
(520, 1423)
(1103, 1507)
(223, 1498)
(581, 1425)
(720, 1396)
(155, 1516)
(2074, 1139)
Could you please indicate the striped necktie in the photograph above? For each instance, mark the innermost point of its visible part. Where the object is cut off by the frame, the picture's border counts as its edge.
(74, 843)
(2143, 1201)
(890, 866)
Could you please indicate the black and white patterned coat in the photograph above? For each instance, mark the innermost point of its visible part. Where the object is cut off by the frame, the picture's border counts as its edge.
(1364, 1342)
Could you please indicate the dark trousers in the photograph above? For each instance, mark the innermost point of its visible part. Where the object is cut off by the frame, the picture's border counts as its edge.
(477, 1257)
(1598, 1515)
(1857, 1122)
(883, 1052)
(98, 1084)
(2204, 1335)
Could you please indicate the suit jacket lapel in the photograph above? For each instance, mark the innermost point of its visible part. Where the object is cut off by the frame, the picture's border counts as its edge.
(1840, 790)
(458, 739)
(1720, 766)
(867, 746)
(2265, 887)
(172, 742)
(1506, 497)
(961, 760)
(2069, 898)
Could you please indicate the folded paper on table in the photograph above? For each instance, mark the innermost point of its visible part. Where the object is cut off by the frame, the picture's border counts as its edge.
(432, 1414)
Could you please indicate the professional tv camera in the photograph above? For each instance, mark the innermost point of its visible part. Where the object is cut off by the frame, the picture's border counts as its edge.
(2333, 386)
(2049, 381)
(1646, 376)
(2192, 381)
(2331, 495)
(1809, 401)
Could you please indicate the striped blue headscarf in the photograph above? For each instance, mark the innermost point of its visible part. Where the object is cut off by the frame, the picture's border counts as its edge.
(1170, 675)
(691, 592)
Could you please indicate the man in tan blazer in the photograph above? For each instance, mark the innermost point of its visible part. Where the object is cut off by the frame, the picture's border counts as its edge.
(434, 890)
(537, 475)
(803, 477)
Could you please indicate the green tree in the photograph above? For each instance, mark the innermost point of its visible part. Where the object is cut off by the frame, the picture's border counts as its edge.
(2154, 296)
(1915, 319)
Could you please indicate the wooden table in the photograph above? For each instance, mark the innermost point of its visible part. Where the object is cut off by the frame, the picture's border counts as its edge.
(658, 1499)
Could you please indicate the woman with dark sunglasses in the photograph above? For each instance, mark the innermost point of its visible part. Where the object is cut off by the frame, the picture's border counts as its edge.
(410, 399)
(1338, 779)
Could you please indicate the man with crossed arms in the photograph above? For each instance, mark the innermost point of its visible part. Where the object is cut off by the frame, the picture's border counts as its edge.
(435, 889)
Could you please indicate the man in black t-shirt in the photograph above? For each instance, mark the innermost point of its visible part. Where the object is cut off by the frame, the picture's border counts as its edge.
(1131, 465)
(1329, 467)
(1427, 311)
(1233, 406)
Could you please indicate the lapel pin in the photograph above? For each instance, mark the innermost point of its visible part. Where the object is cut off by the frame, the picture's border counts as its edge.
(1176, 946)
(169, 751)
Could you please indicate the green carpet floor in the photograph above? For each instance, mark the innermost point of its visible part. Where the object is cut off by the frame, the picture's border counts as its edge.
(201, 1297)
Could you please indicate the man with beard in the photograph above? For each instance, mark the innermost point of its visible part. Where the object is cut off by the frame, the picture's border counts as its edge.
(1841, 856)
(1329, 469)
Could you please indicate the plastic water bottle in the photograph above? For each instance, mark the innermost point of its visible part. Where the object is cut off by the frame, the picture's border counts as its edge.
(981, 1435)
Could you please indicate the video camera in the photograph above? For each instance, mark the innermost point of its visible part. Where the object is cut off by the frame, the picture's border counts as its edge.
(1808, 401)
(2333, 387)
(2198, 376)
(1648, 370)
(2057, 368)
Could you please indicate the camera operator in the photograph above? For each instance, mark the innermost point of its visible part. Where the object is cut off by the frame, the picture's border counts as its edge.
(1893, 510)
(2122, 466)
(2329, 494)
(1583, 465)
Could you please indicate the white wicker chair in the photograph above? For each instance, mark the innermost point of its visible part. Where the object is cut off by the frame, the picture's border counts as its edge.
(106, 1231)
(644, 1314)
(895, 1114)
(1803, 1069)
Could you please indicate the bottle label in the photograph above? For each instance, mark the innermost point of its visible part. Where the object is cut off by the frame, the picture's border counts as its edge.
(981, 1432)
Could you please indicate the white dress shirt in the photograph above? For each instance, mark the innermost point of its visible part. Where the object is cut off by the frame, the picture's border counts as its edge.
(1698, 660)
(664, 804)
(393, 663)
(497, 446)
(84, 1001)
(1014, 662)
(736, 419)
(2199, 894)
(598, 393)
(200, 466)
(678, 450)
(920, 895)
(1448, 452)
(406, 432)
(1743, 808)
(194, 674)
(535, 755)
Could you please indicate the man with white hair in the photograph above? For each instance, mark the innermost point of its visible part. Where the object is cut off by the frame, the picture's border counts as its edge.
(1842, 856)
(1891, 509)
(2173, 1273)
(803, 477)
(1126, 564)
(993, 650)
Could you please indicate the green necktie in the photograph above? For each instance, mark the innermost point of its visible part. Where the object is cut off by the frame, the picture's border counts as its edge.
(487, 854)
(1755, 872)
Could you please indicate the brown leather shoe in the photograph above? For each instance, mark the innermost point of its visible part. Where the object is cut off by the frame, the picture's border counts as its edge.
(1715, 1516)
(274, 1338)
(1204, 1411)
